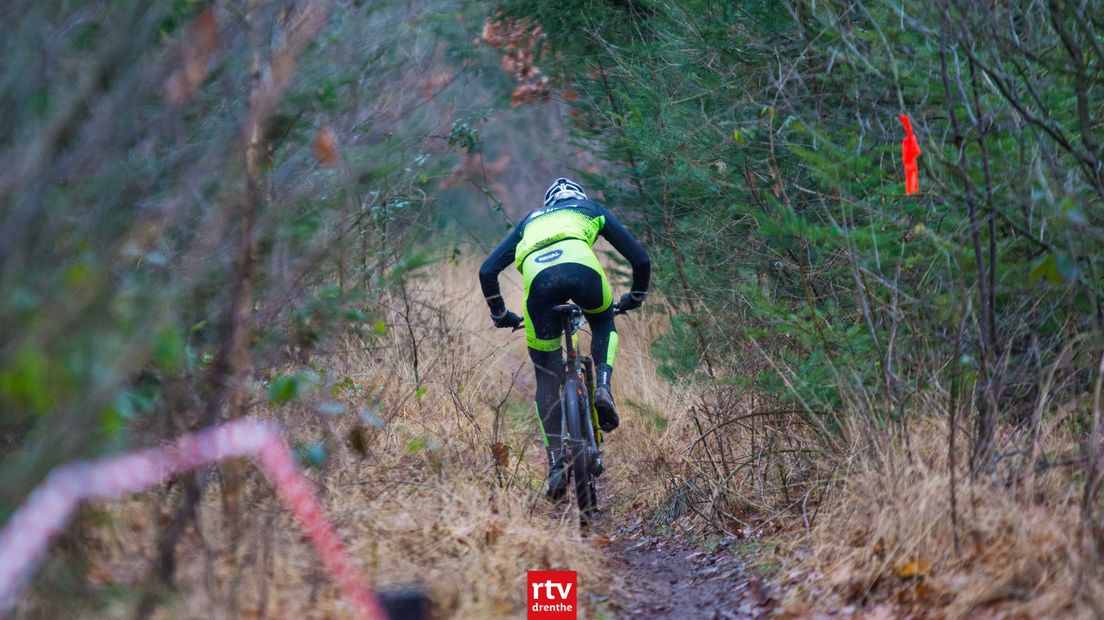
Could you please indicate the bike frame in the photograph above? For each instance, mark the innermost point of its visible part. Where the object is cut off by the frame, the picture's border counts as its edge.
(581, 366)
(585, 462)
(585, 458)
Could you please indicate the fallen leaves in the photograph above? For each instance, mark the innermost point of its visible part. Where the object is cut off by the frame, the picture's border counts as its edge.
(492, 533)
(325, 148)
(474, 167)
(200, 50)
(913, 568)
(518, 40)
(501, 454)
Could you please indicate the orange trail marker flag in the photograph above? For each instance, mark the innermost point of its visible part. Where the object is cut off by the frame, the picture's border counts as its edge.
(910, 150)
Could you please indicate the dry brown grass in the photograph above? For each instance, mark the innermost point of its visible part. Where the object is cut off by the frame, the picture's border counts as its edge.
(425, 501)
(884, 544)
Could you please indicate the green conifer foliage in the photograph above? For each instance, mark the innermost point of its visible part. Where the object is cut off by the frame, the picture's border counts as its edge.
(758, 144)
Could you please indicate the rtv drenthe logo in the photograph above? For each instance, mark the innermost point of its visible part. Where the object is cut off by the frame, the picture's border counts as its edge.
(552, 595)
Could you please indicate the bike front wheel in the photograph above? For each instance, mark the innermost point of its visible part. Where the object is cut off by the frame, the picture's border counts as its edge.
(585, 495)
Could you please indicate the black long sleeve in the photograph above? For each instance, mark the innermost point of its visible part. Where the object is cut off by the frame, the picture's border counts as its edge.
(630, 248)
(499, 259)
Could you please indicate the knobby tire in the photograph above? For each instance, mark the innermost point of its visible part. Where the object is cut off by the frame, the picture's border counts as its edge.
(580, 465)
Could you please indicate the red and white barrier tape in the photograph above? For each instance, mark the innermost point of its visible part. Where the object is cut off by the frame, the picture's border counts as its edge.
(26, 536)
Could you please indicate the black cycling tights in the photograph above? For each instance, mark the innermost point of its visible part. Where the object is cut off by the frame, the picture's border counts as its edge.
(551, 287)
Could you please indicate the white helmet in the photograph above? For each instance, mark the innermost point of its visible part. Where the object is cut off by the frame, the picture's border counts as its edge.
(563, 189)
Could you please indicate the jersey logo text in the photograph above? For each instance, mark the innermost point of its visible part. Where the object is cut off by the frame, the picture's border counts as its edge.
(548, 257)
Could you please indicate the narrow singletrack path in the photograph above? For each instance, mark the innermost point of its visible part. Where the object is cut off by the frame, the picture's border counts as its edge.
(663, 579)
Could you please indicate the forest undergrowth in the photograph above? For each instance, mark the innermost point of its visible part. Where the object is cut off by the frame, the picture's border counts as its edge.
(432, 473)
(433, 470)
(884, 544)
(891, 401)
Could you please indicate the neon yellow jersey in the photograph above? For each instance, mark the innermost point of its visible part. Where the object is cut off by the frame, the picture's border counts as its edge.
(569, 220)
(572, 226)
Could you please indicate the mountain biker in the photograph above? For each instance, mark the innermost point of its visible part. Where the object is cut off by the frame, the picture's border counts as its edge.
(552, 248)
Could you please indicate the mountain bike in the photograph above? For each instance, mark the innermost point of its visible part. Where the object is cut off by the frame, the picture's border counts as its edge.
(580, 450)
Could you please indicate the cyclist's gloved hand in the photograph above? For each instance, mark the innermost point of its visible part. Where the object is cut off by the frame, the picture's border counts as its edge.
(507, 319)
(631, 301)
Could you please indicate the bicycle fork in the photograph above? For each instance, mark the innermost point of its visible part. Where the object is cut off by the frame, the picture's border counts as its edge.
(592, 436)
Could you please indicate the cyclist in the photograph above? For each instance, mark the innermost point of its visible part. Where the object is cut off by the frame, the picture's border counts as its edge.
(552, 248)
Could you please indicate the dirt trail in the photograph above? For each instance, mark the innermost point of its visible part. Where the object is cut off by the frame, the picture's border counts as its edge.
(661, 578)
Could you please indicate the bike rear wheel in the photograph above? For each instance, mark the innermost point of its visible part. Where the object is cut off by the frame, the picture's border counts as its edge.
(585, 495)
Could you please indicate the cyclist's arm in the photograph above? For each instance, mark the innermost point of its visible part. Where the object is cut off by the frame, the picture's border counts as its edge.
(499, 259)
(626, 245)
